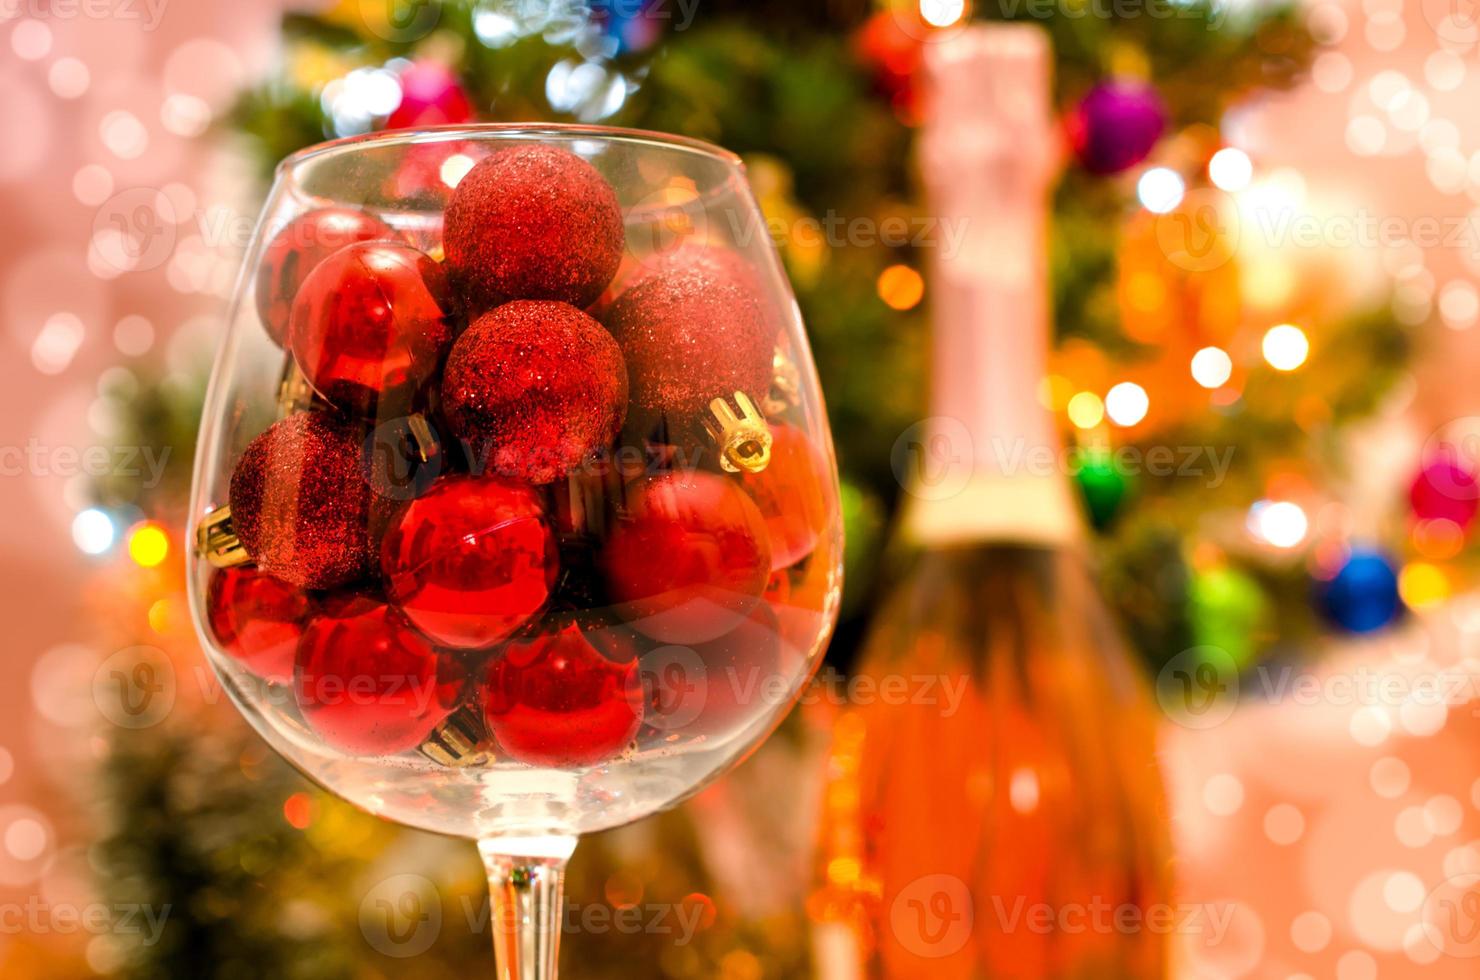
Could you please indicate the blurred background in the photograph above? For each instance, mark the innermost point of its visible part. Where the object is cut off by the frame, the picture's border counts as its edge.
(1265, 254)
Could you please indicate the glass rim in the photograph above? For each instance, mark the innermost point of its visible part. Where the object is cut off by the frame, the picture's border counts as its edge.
(473, 131)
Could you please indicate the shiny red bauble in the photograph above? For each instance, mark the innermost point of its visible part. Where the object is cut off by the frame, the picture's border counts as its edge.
(370, 684)
(297, 250)
(257, 619)
(692, 334)
(471, 561)
(533, 222)
(370, 327)
(555, 699)
(688, 557)
(792, 496)
(716, 688)
(533, 389)
(301, 504)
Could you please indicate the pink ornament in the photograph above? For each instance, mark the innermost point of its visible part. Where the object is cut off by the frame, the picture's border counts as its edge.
(1445, 490)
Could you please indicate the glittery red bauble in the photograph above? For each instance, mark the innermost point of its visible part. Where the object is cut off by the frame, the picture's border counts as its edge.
(533, 389)
(257, 619)
(534, 222)
(301, 504)
(791, 494)
(431, 95)
(689, 557)
(297, 250)
(471, 561)
(718, 687)
(555, 699)
(691, 335)
(370, 327)
(370, 684)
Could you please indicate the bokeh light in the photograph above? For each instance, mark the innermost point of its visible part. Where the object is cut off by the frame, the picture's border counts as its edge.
(1086, 410)
(1282, 523)
(1286, 347)
(901, 287)
(1230, 169)
(148, 544)
(93, 531)
(1212, 367)
(1127, 403)
(1160, 190)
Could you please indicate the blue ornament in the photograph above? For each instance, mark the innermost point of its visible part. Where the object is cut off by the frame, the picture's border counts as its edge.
(1363, 596)
(634, 27)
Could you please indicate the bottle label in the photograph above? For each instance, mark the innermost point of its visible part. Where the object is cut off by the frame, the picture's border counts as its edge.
(1022, 507)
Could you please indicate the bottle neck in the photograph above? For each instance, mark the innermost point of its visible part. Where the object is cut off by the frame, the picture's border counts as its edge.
(999, 463)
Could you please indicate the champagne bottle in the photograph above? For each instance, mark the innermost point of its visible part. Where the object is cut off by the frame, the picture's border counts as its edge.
(1005, 808)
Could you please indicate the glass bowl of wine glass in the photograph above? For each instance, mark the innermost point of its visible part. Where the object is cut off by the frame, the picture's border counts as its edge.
(515, 509)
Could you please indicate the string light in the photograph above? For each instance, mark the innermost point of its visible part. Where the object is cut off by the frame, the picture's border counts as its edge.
(92, 531)
(148, 544)
(1286, 347)
(1280, 523)
(1160, 189)
(1127, 403)
(942, 13)
(1423, 584)
(1212, 367)
(1230, 169)
(1086, 410)
(901, 287)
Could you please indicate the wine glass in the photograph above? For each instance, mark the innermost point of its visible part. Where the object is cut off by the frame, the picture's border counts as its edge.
(515, 508)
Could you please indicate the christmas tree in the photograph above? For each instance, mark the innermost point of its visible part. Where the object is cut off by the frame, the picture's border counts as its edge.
(1192, 420)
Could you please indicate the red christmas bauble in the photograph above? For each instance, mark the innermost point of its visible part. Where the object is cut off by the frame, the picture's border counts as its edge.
(689, 557)
(691, 335)
(471, 561)
(431, 95)
(257, 619)
(301, 504)
(791, 495)
(370, 684)
(555, 699)
(534, 222)
(715, 688)
(370, 327)
(1445, 490)
(297, 250)
(533, 389)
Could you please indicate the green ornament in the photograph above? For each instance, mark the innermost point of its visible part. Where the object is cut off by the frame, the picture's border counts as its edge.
(1229, 610)
(1103, 486)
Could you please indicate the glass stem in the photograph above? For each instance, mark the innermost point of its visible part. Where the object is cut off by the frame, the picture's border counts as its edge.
(526, 881)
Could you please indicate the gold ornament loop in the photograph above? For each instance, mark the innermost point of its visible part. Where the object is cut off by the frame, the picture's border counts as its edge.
(457, 742)
(743, 437)
(216, 540)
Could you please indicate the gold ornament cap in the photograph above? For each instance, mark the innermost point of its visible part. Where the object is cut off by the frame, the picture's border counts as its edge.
(295, 394)
(457, 742)
(216, 540)
(743, 437)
